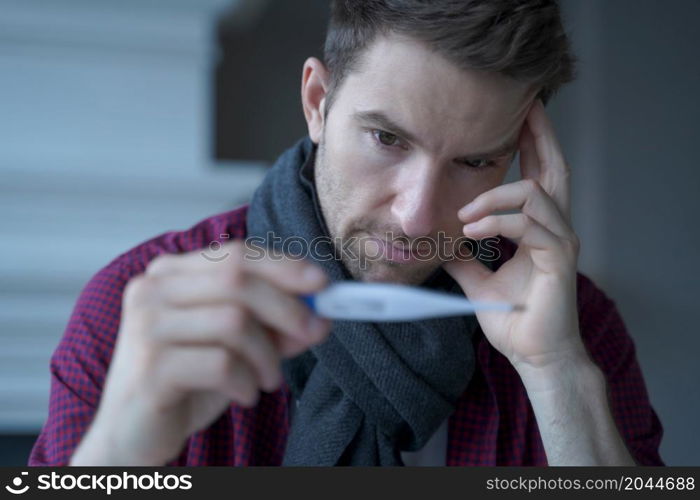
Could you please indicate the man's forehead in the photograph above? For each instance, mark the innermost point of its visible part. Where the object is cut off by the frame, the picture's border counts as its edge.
(425, 91)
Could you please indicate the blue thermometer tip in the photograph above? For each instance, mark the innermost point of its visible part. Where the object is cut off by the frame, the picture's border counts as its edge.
(309, 300)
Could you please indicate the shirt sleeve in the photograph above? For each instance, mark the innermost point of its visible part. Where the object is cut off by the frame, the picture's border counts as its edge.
(614, 351)
(79, 365)
(80, 362)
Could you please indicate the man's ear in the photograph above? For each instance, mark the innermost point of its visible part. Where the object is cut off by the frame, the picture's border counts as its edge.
(314, 84)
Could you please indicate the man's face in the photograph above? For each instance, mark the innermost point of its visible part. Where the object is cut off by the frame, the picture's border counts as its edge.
(410, 139)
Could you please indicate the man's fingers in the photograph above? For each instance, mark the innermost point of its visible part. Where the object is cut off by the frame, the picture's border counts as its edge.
(229, 326)
(288, 347)
(468, 271)
(529, 161)
(548, 149)
(183, 369)
(516, 226)
(283, 312)
(554, 171)
(288, 272)
(271, 306)
(526, 195)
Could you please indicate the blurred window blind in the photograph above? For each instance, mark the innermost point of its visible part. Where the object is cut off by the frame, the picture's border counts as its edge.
(106, 141)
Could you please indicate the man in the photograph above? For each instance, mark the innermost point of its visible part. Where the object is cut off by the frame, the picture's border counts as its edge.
(174, 356)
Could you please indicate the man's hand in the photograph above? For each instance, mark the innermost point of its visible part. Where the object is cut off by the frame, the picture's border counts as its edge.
(542, 273)
(567, 390)
(194, 336)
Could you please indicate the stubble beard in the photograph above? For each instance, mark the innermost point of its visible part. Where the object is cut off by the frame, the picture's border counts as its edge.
(360, 268)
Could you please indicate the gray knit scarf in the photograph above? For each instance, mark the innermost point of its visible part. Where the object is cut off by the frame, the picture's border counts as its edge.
(370, 390)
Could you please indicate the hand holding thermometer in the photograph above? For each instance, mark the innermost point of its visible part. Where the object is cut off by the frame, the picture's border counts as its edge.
(361, 301)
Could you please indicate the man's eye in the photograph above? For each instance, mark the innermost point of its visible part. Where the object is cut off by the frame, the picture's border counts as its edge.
(385, 138)
(478, 163)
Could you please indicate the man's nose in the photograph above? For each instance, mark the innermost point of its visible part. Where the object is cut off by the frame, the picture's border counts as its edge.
(415, 205)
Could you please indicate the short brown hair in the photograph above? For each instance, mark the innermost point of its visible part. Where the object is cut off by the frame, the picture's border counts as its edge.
(522, 39)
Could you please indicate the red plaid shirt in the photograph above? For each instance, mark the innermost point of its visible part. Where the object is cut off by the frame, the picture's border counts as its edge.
(493, 423)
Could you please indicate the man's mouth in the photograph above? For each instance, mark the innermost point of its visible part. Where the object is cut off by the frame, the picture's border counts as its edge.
(396, 251)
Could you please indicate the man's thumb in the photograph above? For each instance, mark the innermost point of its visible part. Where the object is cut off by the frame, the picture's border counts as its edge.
(469, 273)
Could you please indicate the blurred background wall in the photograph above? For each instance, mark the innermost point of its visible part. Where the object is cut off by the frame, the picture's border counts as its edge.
(123, 119)
(106, 137)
